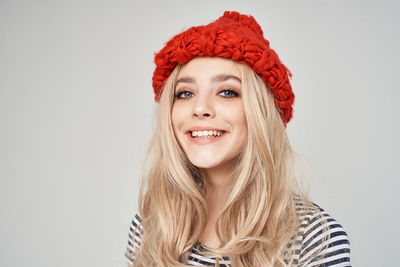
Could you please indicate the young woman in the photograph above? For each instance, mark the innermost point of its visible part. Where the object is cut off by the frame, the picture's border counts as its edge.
(218, 186)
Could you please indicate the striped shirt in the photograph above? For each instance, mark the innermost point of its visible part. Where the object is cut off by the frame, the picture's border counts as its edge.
(334, 251)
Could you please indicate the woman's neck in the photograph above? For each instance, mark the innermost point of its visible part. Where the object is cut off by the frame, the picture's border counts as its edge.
(218, 178)
(217, 182)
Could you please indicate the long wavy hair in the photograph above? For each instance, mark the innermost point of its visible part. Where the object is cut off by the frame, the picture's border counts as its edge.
(259, 220)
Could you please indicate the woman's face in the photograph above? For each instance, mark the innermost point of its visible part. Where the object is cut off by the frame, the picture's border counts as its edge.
(208, 115)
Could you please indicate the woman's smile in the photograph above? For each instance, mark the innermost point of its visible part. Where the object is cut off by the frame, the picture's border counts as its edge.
(205, 135)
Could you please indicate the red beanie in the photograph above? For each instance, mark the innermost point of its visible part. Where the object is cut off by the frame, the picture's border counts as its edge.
(233, 36)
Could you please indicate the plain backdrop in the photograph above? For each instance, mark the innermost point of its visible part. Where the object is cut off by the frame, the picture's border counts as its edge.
(76, 109)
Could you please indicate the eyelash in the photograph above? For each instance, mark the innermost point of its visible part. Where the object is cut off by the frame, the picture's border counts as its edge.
(178, 95)
(235, 94)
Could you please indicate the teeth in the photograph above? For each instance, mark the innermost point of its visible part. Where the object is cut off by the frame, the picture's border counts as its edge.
(209, 133)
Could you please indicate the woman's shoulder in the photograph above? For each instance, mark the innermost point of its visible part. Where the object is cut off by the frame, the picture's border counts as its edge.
(321, 240)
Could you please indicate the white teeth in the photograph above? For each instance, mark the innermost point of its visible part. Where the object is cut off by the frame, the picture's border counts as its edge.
(209, 133)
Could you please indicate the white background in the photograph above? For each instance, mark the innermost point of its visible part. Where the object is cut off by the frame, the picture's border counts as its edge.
(76, 108)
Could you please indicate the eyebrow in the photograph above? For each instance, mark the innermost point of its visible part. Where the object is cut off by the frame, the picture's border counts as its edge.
(215, 78)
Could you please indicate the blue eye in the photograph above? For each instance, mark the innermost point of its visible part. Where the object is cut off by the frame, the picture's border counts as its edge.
(183, 94)
(228, 93)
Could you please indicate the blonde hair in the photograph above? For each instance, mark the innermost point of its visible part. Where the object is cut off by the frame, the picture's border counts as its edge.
(172, 201)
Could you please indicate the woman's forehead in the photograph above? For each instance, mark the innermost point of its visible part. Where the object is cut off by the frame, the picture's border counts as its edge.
(210, 67)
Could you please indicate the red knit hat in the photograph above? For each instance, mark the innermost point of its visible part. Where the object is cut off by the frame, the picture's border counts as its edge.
(234, 36)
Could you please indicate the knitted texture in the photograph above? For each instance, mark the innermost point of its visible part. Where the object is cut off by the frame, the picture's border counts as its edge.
(233, 36)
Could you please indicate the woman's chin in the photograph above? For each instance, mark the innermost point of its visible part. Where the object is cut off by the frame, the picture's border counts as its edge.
(216, 164)
(204, 163)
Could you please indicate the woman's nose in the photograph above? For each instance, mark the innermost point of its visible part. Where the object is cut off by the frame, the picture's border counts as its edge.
(203, 107)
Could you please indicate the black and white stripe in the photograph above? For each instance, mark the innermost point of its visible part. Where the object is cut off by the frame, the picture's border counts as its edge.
(311, 247)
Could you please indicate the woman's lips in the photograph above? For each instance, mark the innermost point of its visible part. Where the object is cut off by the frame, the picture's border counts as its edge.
(205, 140)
